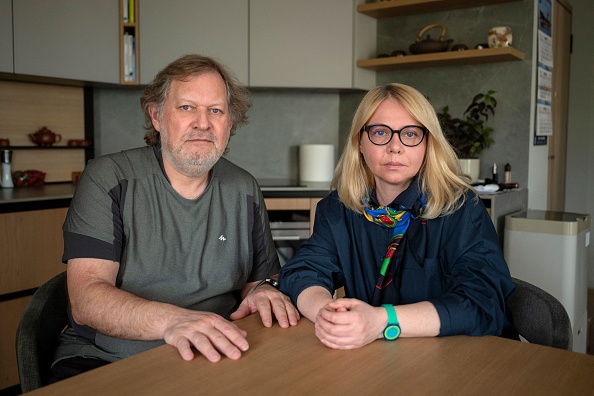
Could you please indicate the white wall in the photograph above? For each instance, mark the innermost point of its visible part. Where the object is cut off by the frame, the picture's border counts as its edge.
(579, 190)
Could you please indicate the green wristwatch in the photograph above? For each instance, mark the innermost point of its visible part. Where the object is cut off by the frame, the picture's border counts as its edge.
(392, 330)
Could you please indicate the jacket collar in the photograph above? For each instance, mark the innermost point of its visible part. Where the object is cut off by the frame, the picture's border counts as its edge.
(408, 199)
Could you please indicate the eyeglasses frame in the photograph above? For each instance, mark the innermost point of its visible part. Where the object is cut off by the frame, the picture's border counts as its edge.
(366, 128)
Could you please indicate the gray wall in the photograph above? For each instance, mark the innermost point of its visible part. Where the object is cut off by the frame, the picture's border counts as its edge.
(118, 120)
(279, 123)
(267, 146)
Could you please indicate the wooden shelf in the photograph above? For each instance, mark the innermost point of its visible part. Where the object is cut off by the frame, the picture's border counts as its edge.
(443, 59)
(394, 8)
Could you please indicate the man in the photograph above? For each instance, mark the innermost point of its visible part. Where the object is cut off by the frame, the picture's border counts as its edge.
(167, 242)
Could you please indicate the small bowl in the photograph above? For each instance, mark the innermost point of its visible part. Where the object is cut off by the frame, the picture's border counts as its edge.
(79, 143)
(398, 53)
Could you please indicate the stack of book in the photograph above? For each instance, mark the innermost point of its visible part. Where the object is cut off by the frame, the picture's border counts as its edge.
(129, 41)
(129, 57)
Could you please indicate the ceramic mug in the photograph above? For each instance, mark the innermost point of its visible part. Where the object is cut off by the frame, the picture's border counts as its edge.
(500, 36)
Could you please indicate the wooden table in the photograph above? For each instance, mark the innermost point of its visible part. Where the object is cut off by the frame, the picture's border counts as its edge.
(293, 361)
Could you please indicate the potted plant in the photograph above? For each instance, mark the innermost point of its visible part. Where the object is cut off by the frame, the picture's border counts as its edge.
(470, 135)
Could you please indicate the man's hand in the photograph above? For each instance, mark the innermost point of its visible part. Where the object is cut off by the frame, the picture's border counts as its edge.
(209, 333)
(267, 300)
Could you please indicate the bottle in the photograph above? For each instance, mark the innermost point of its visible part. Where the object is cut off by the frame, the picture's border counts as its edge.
(507, 174)
(6, 158)
(495, 173)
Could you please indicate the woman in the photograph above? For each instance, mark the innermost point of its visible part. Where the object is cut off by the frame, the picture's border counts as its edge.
(404, 233)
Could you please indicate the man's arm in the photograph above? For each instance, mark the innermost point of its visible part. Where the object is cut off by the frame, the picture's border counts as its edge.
(97, 303)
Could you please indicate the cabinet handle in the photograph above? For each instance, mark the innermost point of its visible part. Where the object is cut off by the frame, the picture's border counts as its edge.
(286, 238)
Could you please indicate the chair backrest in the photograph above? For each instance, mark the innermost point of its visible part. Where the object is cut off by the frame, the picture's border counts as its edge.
(539, 317)
(43, 320)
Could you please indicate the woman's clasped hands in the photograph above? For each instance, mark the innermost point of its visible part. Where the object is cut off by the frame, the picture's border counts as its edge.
(348, 323)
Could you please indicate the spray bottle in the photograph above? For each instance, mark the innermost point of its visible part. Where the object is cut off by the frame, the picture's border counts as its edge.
(6, 158)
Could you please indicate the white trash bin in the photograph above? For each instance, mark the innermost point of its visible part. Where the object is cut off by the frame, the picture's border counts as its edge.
(550, 250)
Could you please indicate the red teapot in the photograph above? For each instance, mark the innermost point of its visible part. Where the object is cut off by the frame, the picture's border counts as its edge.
(44, 137)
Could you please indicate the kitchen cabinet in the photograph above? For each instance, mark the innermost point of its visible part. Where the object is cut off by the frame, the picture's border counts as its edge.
(309, 44)
(216, 28)
(298, 204)
(68, 39)
(10, 312)
(31, 244)
(6, 65)
(502, 204)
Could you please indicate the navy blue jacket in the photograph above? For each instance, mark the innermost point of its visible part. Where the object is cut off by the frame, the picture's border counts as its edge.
(455, 262)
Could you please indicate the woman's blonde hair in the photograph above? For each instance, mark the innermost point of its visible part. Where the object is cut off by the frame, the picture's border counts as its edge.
(440, 176)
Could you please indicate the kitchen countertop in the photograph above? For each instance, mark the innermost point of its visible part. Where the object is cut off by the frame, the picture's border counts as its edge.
(270, 189)
(273, 188)
(48, 196)
(42, 193)
(60, 194)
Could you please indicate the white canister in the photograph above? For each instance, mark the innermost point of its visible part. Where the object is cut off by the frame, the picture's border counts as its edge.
(316, 162)
(500, 36)
(470, 167)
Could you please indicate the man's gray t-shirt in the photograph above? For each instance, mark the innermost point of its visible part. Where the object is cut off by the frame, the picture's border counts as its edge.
(196, 254)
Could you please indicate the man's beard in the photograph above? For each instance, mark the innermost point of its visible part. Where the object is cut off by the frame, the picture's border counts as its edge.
(189, 163)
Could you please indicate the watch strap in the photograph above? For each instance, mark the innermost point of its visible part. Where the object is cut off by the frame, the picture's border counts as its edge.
(392, 330)
(392, 318)
(269, 281)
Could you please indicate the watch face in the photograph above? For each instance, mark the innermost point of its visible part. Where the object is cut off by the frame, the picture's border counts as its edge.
(392, 332)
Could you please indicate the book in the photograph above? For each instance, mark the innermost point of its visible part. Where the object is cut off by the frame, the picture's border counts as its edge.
(131, 15)
(125, 8)
(133, 59)
(127, 56)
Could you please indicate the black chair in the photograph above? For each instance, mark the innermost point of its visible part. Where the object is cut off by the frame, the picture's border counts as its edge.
(539, 317)
(43, 320)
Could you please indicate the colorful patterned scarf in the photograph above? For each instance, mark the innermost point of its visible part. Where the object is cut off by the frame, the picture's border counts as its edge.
(398, 220)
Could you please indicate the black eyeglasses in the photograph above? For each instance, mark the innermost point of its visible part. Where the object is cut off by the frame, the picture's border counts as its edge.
(380, 134)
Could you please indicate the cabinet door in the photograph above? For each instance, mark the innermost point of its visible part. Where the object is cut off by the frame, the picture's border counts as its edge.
(302, 44)
(216, 28)
(31, 244)
(70, 39)
(6, 65)
(11, 312)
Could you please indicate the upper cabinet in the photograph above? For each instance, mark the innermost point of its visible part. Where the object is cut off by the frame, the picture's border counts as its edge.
(69, 39)
(265, 43)
(309, 44)
(213, 28)
(6, 65)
